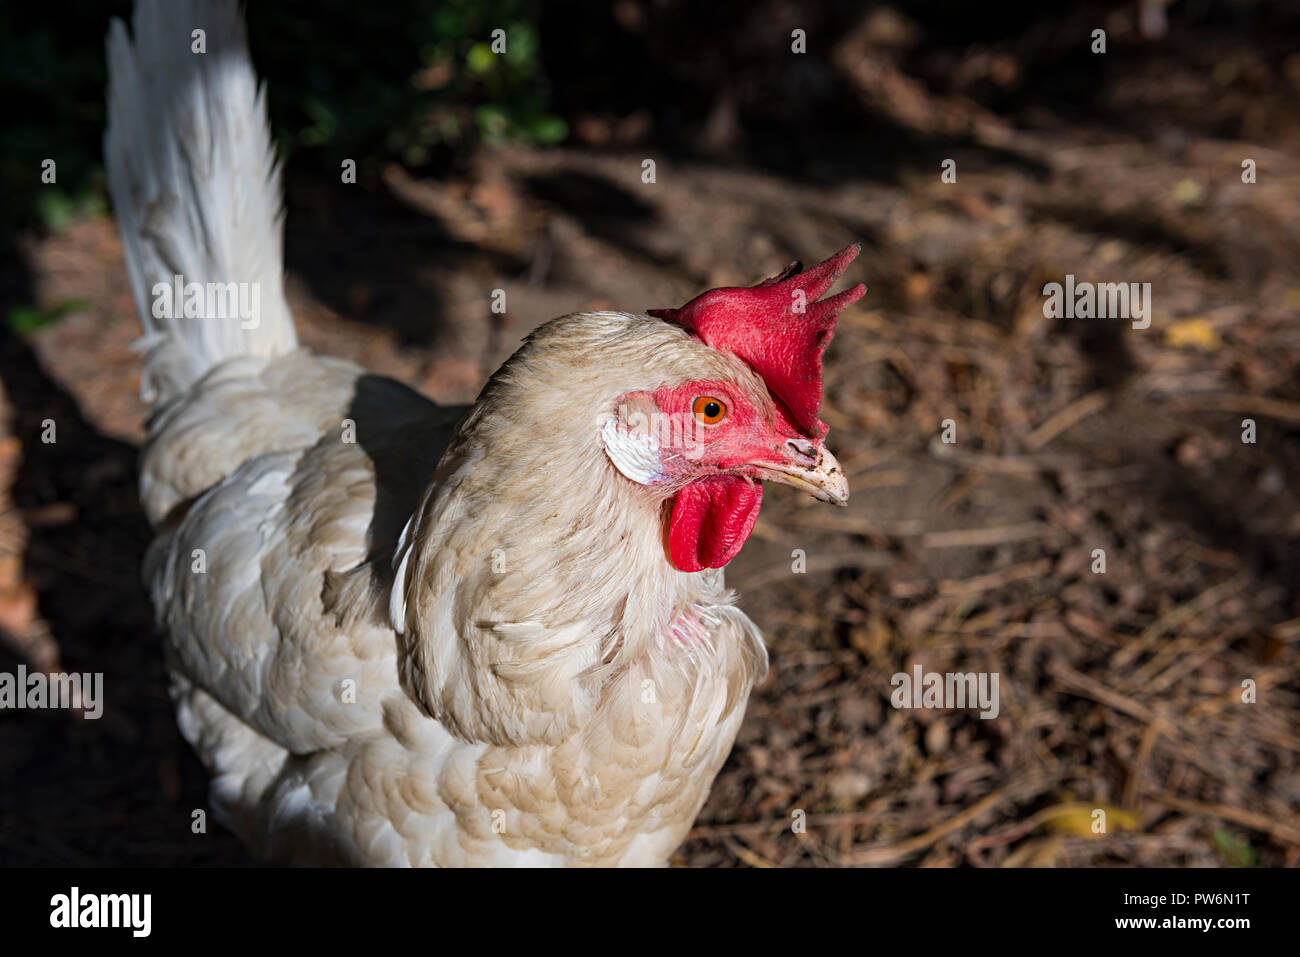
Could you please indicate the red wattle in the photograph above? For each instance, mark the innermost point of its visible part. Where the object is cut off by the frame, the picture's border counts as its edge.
(711, 519)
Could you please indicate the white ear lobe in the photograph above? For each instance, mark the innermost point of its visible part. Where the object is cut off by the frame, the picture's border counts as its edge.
(635, 454)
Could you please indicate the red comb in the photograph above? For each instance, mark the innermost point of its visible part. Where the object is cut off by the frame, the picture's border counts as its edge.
(778, 328)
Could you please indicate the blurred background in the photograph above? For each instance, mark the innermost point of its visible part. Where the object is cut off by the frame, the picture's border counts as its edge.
(1120, 691)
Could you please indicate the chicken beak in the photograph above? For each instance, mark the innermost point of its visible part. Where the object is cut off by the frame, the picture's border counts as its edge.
(811, 467)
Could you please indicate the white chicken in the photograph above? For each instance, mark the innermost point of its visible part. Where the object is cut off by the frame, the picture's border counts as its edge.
(406, 634)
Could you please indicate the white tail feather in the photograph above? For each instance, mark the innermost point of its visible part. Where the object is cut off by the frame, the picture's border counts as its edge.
(195, 188)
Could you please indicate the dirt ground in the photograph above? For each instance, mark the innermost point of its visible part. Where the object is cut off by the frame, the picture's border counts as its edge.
(1120, 691)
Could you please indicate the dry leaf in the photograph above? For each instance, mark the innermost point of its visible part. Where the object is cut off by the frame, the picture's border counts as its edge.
(1195, 333)
(1078, 818)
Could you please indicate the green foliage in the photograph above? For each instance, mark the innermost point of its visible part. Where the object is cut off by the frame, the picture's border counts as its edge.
(59, 208)
(52, 83)
(1233, 851)
(409, 80)
(394, 79)
(25, 319)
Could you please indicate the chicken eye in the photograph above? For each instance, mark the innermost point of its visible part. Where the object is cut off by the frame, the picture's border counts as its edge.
(708, 410)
